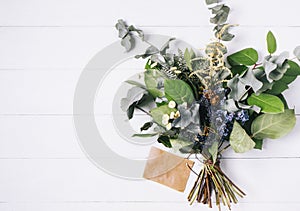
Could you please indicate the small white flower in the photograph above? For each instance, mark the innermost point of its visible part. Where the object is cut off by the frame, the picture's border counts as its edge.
(153, 65)
(172, 104)
(172, 114)
(177, 114)
(169, 126)
(173, 68)
(165, 119)
(177, 71)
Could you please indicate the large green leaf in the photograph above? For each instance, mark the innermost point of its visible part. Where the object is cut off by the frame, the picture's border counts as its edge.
(179, 91)
(273, 125)
(240, 141)
(271, 42)
(248, 56)
(158, 112)
(268, 103)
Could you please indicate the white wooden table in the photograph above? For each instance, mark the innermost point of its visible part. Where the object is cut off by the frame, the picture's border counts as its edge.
(44, 45)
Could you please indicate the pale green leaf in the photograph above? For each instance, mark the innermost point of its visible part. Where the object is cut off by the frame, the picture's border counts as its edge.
(135, 83)
(271, 42)
(213, 150)
(151, 77)
(133, 95)
(273, 126)
(188, 56)
(268, 103)
(144, 135)
(179, 91)
(221, 14)
(240, 141)
(237, 88)
(249, 79)
(158, 112)
(127, 42)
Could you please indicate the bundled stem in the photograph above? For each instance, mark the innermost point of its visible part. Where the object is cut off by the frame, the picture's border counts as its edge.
(212, 179)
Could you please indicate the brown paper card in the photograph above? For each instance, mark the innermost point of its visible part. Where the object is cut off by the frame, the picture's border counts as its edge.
(167, 169)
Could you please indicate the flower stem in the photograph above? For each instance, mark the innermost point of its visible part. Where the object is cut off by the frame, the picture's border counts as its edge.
(212, 179)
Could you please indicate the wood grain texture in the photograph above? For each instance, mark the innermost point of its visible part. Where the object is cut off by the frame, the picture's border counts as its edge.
(44, 45)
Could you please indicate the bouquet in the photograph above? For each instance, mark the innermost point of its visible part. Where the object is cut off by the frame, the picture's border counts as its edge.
(210, 101)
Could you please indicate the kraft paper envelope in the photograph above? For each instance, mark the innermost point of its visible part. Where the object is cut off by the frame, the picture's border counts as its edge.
(167, 169)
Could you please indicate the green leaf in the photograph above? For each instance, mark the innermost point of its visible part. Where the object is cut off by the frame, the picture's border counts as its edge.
(158, 112)
(237, 88)
(273, 126)
(166, 46)
(268, 103)
(248, 57)
(165, 140)
(238, 69)
(144, 135)
(146, 126)
(240, 140)
(258, 143)
(231, 62)
(130, 111)
(271, 42)
(213, 150)
(277, 88)
(135, 83)
(151, 77)
(289, 76)
(222, 32)
(188, 56)
(133, 95)
(127, 42)
(249, 79)
(221, 14)
(294, 69)
(179, 91)
(282, 98)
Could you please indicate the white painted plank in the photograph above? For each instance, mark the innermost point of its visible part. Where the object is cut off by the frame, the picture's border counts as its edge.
(138, 206)
(55, 137)
(4, 206)
(93, 12)
(51, 92)
(71, 49)
(38, 137)
(264, 181)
